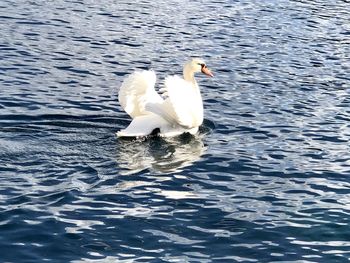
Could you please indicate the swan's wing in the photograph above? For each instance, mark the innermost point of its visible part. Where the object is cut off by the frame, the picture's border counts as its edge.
(184, 102)
(165, 110)
(136, 91)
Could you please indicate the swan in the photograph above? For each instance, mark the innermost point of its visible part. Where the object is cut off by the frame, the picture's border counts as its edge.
(178, 109)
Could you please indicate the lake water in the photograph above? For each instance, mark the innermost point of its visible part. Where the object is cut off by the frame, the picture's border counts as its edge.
(267, 179)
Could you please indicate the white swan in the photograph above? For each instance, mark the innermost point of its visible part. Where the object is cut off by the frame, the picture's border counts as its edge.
(178, 110)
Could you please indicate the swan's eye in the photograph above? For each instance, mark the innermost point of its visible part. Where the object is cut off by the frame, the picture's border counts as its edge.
(202, 65)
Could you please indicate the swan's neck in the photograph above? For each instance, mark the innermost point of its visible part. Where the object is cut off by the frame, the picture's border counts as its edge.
(189, 75)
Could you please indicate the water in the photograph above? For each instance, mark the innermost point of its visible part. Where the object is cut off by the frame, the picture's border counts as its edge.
(265, 180)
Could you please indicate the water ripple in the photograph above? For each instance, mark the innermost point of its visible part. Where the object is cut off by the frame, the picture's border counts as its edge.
(266, 178)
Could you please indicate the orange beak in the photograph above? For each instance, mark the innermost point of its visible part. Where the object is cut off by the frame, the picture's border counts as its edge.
(207, 72)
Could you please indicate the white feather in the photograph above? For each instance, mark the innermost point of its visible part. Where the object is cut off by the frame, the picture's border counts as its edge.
(180, 111)
(136, 91)
(143, 126)
(185, 101)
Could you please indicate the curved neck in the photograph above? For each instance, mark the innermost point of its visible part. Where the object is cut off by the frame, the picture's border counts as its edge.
(189, 75)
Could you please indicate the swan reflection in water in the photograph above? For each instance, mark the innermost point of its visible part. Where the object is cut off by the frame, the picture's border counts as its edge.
(159, 154)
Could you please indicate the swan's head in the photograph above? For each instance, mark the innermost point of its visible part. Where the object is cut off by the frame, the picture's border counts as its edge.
(198, 65)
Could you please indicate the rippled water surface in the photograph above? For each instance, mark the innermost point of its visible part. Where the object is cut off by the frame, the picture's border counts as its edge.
(265, 180)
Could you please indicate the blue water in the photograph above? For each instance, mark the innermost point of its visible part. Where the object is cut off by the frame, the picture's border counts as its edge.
(265, 180)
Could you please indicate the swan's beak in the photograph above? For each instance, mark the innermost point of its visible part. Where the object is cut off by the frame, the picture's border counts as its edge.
(207, 72)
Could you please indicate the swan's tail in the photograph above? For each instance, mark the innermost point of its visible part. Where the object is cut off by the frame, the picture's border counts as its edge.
(143, 125)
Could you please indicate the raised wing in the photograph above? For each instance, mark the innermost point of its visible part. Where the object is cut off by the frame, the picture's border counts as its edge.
(136, 91)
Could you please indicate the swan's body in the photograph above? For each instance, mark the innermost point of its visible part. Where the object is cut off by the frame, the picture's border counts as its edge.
(178, 110)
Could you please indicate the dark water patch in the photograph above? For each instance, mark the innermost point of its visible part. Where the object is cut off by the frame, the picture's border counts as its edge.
(31, 23)
(60, 21)
(125, 42)
(75, 70)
